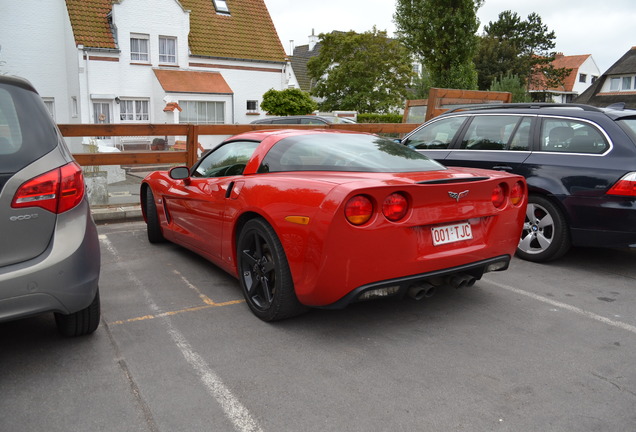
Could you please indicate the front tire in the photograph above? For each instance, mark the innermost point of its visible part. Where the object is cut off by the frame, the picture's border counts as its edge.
(153, 227)
(264, 273)
(82, 322)
(545, 235)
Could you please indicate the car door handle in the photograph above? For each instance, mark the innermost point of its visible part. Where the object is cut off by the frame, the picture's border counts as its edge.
(502, 167)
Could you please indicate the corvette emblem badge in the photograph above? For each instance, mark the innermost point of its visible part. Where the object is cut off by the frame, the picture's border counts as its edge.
(457, 195)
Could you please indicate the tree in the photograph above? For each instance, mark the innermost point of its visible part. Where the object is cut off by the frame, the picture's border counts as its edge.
(443, 34)
(513, 84)
(420, 86)
(290, 101)
(511, 45)
(365, 72)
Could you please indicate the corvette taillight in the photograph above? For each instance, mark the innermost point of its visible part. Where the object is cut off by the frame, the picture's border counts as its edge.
(516, 194)
(358, 210)
(626, 186)
(57, 191)
(395, 207)
(498, 196)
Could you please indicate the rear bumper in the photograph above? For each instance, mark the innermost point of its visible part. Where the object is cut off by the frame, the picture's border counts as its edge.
(63, 279)
(398, 287)
(602, 222)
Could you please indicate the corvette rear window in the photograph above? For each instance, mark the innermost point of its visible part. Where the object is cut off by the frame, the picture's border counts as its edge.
(344, 152)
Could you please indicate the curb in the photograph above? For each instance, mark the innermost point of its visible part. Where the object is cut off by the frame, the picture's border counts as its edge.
(103, 215)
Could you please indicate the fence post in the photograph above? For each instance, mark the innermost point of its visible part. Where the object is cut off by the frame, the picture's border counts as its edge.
(192, 144)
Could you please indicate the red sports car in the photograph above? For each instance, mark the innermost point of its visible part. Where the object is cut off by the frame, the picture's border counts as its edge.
(323, 219)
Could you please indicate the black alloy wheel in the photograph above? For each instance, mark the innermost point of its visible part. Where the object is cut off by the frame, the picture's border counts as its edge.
(545, 235)
(264, 273)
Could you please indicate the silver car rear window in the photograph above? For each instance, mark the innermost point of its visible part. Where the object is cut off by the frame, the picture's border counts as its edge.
(27, 131)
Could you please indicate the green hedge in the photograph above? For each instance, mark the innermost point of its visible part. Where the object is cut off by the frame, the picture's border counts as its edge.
(379, 118)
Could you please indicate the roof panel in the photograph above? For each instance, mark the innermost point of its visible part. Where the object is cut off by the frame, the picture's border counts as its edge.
(178, 81)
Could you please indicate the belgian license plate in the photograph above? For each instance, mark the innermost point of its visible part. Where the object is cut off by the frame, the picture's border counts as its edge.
(451, 233)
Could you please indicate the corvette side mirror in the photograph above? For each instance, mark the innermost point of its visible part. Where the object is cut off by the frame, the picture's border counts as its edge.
(180, 173)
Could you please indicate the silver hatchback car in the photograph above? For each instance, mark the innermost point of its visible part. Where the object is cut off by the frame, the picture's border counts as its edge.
(49, 249)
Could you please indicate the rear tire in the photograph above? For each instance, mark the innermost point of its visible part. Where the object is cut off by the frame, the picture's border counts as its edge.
(264, 273)
(82, 322)
(545, 235)
(153, 226)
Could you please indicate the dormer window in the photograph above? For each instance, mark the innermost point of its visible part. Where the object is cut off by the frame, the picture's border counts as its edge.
(221, 6)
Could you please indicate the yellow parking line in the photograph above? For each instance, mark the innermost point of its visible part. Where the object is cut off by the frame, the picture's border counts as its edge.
(209, 304)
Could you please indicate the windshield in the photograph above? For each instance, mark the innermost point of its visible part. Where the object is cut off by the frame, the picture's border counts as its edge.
(344, 152)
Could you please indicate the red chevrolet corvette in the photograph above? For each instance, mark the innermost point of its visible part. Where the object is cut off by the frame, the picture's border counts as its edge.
(323, 218)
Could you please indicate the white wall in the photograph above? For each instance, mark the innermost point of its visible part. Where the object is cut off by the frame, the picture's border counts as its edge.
(36, 44)
(590, 69)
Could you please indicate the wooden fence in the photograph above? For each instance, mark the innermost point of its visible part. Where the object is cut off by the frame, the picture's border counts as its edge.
(192, 133)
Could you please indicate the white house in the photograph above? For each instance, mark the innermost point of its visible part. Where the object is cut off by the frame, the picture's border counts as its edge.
(583, 74)
(145, 61)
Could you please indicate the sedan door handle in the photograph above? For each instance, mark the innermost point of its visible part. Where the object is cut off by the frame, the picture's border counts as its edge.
(502, 167)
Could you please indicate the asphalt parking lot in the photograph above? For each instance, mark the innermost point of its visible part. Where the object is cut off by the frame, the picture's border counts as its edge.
(535, 348)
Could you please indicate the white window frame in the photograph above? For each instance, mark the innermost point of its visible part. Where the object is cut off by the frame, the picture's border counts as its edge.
(139, 48)
(629, 80)
(167, 44)
(202, 112)
(134, 110)
(50, 106)
(618, 83)
(102, 112)
(254, 103)
(582, 77)
(74, 106)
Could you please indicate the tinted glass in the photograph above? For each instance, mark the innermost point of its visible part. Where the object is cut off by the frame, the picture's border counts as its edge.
(571, 136)
(27, 131)
(308, 120)
(285, 121)
(490, 132)
(344, 152)
(629, 125)
(437, 134)
(229, 159)
(521, 137)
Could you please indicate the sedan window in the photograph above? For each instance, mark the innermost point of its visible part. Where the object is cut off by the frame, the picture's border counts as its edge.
(571, 136)
(229, 159)
(314, 121)
(437, 134)
(490, 132)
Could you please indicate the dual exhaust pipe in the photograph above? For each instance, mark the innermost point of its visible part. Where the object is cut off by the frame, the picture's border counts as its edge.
(426, 289)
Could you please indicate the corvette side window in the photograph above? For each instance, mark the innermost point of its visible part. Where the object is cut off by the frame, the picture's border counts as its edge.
(437, 134)
(229, 159)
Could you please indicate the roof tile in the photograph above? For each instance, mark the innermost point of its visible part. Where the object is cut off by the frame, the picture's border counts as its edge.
(247, 33)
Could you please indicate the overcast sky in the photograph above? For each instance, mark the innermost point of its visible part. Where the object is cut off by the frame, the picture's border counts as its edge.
(605, 29)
